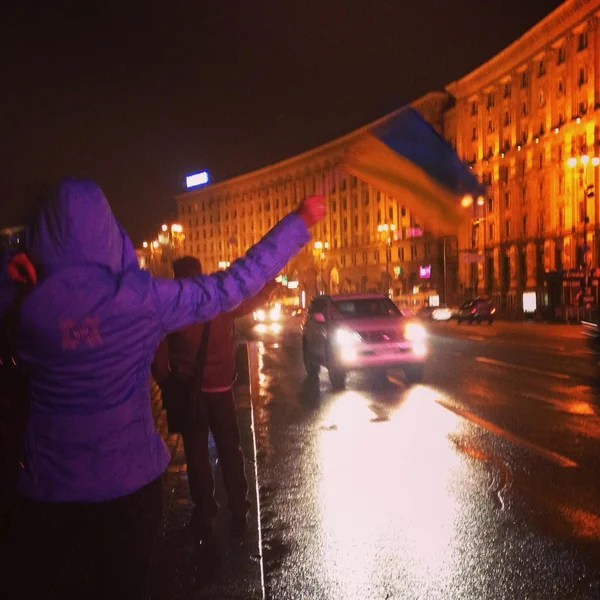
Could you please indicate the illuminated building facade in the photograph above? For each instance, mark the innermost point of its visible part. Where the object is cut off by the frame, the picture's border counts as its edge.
(368, 240)
(526, 121)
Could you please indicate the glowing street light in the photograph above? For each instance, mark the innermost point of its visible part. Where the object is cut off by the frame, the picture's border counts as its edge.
(466, 201)
(572, 162)
(155, 244)
(176, 228)
(145, 245)
(480, 200)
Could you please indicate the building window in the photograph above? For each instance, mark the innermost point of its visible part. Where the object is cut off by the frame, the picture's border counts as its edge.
(524, 79)
(525, 225)
(490, 100)
(403, 211)
(365, 195)
(401, 254)
(561, 217)
(354, 181)
(391, 213)
(365, 258)
(562, 55)
(490, 126)
(507, 118)
(503, 174)
(491, 232)
(583, 107)
(474, 134)
(560, 88)
(524, 109)
(541, 68)
(507, 228)
(490, 204)
(542, 98)
(343, 184)
(507, 89)
(582, 41)
(541, 161)
(413, 252)
(582, 78)
(474, 108)
(376, 256)
(506, 199)
(333, 206)
(561, 184)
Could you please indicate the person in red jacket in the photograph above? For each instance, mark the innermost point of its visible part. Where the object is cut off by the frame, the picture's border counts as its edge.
(176, 357)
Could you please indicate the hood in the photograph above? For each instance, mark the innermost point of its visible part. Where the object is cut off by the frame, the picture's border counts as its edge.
(76, 226)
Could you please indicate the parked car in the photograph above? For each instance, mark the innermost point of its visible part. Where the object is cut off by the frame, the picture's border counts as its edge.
(361, 331)
(477, 311)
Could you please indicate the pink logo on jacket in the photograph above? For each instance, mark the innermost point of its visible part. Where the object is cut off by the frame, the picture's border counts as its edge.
(85, 332)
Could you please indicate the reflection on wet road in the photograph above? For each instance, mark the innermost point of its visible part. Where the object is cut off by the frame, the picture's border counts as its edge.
(481, 483)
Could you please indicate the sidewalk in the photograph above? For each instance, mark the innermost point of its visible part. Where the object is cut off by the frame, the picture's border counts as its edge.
(171, 575)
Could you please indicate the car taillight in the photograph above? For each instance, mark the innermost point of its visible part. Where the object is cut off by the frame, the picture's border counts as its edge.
(493, 310)
(473, 311)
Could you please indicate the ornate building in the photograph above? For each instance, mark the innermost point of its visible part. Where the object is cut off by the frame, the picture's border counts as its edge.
(526, 121)
(367, 241)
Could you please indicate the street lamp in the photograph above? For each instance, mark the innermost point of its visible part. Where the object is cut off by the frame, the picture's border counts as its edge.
(588, 192)
(387, 228)
(320, 248)
(466, 202)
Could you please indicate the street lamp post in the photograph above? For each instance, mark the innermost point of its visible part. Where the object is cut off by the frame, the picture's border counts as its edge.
(588, 192)
(320, 248)
(388, 229)
(476, 221)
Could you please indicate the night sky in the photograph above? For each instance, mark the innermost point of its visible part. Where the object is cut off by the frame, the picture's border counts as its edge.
(137, 97)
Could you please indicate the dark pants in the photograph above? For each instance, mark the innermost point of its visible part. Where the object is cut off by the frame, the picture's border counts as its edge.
(217, 414)
(122, 533)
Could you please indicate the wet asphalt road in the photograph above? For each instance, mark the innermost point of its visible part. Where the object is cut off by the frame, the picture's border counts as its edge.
(483, 482)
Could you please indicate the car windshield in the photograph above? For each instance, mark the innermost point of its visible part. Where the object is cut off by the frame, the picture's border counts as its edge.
(364, 307)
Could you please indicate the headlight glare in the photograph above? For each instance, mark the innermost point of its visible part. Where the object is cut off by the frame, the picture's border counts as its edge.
(414, 332)
(345, 337)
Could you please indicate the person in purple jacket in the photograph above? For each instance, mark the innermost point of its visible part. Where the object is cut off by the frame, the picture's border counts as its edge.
(89, 328)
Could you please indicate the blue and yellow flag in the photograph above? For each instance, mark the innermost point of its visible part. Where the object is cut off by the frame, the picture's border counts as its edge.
(408, 160)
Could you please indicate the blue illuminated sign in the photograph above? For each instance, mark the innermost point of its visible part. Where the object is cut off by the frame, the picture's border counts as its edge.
(196, 179)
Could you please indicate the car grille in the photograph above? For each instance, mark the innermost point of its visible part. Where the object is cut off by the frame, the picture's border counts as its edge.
(374, 337)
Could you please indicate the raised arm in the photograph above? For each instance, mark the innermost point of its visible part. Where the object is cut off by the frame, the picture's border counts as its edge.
(197, 299)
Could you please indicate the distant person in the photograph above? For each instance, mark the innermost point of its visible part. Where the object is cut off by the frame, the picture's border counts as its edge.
(92, 458)
(177, 358)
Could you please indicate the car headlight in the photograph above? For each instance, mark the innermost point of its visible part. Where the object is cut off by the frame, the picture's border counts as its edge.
(275, 314)
(260, 315)
(345, 337)
(415, 332)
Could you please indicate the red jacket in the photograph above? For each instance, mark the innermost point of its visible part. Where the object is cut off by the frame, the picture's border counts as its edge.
(178, 351)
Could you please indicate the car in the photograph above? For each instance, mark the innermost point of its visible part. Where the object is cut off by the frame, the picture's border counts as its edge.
(477, 311)
(270, 314)
(441, 313)
(351, 332)
(434, 313)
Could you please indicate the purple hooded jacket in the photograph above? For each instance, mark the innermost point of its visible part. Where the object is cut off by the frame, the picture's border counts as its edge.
(88, 333)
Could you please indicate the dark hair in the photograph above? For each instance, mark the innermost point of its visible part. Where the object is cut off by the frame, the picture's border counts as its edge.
(186, 266)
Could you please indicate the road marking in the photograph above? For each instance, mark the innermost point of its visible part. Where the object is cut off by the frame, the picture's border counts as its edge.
(253, 385)
(554, 457)
(500, 363)
(577, 407)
